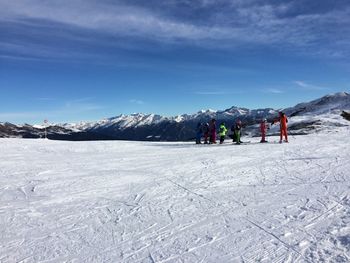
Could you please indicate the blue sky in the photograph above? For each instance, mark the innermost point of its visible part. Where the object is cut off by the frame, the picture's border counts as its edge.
(72, 60)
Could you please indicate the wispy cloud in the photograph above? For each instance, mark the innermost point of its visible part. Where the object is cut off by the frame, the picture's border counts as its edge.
(210, 93)
(80, 105)
(65, 111)
(273, 91)
(6, 116)
(308, 86)
(216, 24)
(45, 99)
(135, 101)
(218, 92)
(111, 18)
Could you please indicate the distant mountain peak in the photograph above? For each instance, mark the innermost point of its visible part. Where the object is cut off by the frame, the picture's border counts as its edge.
(141, 126)
(340, 94)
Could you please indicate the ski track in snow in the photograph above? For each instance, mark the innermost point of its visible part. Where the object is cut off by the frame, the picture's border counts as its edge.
(176, 202)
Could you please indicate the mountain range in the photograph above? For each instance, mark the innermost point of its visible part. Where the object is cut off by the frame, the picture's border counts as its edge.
(323, 113)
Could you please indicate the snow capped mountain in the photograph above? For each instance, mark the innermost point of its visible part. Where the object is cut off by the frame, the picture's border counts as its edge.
(80, 126)
(29, 131)
(333, 103)
(122, 121)
(304, 118)
(136, 120)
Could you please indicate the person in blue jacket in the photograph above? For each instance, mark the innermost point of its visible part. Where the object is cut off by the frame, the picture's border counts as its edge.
(199, 132)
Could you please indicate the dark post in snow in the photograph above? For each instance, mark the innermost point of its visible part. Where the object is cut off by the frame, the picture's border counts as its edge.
(45, 124)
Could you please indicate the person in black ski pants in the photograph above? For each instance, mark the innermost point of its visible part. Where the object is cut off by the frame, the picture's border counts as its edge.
(212, 131)
(199, 131)
(206, 132)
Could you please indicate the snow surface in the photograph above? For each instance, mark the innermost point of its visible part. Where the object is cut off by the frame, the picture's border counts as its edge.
(176, 202)
(322, 123)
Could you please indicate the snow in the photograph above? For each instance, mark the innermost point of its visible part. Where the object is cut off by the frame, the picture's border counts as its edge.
(118, 201)
(330, 103)
(123, 122)
(179, 118)
(38, 126)
(321, 123)
(134, 120)
(77, 127)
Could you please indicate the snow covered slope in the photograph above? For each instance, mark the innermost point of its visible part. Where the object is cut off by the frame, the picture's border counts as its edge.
(332, 103)
(176, 202)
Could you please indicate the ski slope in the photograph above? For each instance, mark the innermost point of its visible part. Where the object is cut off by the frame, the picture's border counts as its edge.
(117, 201)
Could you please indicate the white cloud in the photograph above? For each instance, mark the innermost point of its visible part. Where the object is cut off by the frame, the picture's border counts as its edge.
(244, 22)
(259, 23)
(45, 99)
(216, 92)
(117, 18)
(308, 86)
(6, 116)
(80, 105)
(301, 84)
(210, 92)
(65, 111)
(274, 91)
(135, 101)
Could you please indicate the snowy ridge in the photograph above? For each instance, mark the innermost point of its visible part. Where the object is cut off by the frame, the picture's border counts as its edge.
(83, 125)
(333, 103)
(305, 118)
(139, 119)
(133, 120)
(123, 121)
(307, 124)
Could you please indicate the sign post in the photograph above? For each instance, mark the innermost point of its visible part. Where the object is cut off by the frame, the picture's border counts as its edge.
(45, 124)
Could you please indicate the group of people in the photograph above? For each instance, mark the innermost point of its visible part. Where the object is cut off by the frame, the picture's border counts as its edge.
(209, 131)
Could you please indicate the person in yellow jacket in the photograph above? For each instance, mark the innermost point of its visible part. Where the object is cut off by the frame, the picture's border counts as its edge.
(222, 132)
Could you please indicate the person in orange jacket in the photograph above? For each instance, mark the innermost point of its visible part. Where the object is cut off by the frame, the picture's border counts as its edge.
(283, 120)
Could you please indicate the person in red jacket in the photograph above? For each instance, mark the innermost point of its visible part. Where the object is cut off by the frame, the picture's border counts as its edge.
(283, 126)
(263, 129)
(212, 131)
